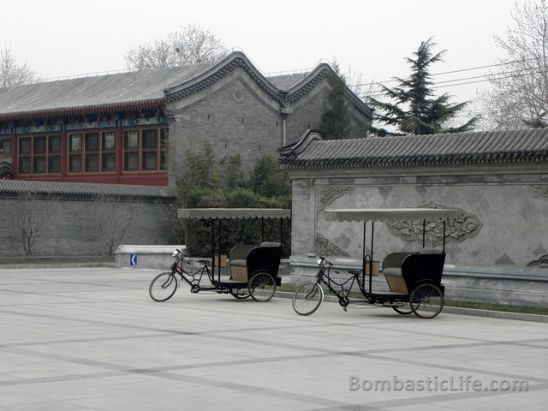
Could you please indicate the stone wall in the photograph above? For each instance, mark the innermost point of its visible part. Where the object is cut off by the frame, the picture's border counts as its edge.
(234, 116)
(503, 219)
(68, 225)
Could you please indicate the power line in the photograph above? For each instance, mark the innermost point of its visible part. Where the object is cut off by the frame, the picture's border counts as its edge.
(449, 72)
(484, 78)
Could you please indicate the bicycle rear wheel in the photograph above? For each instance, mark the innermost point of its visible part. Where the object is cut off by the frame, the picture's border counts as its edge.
(426, 300)
(163, 286)
(262, 287)
(307, 298)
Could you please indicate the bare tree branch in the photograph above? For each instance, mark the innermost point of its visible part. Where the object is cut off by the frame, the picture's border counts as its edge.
(112, 221)
(28, 217)
(11, 73)
(190, 45)
(520, 90)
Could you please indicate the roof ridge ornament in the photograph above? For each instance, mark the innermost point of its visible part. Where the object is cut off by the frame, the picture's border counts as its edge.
(291, 151)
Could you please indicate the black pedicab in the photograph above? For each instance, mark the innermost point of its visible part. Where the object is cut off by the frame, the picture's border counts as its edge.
(414, 278)
(252, 270)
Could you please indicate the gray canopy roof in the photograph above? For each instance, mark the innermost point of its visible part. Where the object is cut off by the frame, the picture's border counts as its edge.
(386, 214)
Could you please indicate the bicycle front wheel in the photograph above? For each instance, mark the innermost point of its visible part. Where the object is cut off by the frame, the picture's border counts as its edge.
(162, 287)
(307, 298)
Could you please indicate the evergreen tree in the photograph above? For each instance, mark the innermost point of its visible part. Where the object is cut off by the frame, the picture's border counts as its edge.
(415, 109)
(267, 179)
(335, 118)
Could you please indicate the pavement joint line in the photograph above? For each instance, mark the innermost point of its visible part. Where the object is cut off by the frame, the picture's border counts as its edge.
(387, 328)
(61, 295)
(161, 330)
(366, 354)
(161, 373)
(79, 340)
(445, 367)
(317, 322)
(429, 399)
(181, 377)
(51, 303)
(341, 324)
(43, 280)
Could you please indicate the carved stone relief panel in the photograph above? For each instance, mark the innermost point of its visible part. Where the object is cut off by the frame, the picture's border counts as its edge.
(541, 189)
(329, 193)
(542, 262)
(326, 247)
(463, 226)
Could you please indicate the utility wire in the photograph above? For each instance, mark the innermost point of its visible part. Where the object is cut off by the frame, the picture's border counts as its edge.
(484, 78)
(448, 72)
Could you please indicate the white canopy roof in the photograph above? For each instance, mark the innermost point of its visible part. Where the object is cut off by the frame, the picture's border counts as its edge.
(242, 213)
(385, 214)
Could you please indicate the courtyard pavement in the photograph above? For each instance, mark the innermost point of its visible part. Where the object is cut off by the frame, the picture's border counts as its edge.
(92, 339)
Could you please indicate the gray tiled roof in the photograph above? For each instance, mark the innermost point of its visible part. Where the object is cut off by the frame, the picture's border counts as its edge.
(311, 151)
(112, 89)
(84, 189)
(151, 88)
(286, 81)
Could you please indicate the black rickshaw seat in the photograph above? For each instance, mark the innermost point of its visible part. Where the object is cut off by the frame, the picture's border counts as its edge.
(247, 259)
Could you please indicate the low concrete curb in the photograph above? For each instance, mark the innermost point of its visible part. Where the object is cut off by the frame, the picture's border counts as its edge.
(56, 262)
(506, 315)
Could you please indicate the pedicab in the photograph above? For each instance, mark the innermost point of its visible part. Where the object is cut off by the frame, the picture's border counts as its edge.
(252, 270)
(413, 277)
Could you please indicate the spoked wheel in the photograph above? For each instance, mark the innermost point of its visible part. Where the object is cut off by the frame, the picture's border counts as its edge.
(403, 309)
(426, 300)
(163, 286)
(262, 287)
(307, 298)
(240, 293)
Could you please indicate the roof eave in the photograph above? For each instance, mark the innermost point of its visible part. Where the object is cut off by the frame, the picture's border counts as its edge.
(67, 111)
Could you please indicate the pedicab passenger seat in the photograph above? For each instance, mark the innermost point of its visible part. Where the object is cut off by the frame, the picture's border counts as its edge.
(427, 265)
(391, 267)
(238, 262)
(247, 259)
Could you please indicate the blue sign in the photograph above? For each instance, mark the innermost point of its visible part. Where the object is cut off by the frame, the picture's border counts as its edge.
(133, 260)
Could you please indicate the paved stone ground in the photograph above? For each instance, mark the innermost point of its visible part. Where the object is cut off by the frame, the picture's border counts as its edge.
(91, 338)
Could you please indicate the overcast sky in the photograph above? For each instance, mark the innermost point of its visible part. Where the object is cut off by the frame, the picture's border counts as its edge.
(59, 38)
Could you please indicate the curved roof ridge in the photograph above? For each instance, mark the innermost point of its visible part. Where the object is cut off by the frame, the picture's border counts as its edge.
(216, 72)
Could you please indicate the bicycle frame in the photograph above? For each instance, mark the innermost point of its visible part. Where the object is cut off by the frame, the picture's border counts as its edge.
(193, 279)
(324, 277)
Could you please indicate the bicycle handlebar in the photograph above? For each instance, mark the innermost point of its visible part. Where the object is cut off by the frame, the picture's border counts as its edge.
(324, 261)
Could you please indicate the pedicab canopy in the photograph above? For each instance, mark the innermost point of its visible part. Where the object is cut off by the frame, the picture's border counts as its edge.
(232, 213)
(386, 214)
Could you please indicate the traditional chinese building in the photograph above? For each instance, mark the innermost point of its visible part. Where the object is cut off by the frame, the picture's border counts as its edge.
(138, 127)
(116, 143)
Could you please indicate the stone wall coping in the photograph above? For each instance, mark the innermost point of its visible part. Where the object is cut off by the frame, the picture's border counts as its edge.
(147, 249)
(503, 272)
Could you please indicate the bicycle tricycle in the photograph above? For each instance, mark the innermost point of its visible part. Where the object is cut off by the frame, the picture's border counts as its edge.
(414, 278)
(252, 269)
